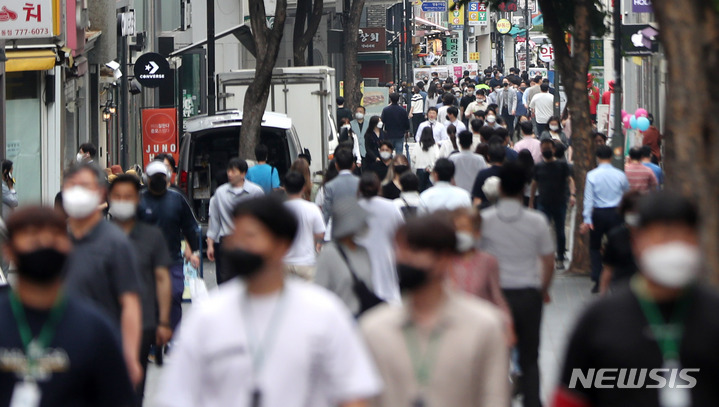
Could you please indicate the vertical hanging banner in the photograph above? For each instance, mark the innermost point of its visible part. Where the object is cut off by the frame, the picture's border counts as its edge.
(456, 17)
(159, 133)
(455, 49)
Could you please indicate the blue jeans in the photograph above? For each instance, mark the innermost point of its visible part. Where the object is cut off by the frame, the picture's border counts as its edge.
(557, 214)
(398, 145)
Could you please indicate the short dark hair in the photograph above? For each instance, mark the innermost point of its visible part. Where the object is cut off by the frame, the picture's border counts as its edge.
(600, 134)
(369, 185)
(448, 99)
(272, 213)
(476, 125)
(453, 111)
(94, 169)
(294, 182)
(126, 179)
(409, 182)
(604, 152)
(512, 178)
(169, 158)
(466, 139)
(444, 169)
(434, 232)
(629, 202)
(344, 158)
(35, 217)
(386, 143)
(526, 127)
(394, 98)
(635, 153)
(340, 100)
(667, 207)
(547, 141)
(544, 87)
(502, 132)
(261, 152)
(497, 153)
(486, 132)
(238, 164)
(89, 148)
(538, 79)
(646, 151)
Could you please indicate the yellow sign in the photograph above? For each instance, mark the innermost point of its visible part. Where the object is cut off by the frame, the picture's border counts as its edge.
(456, 17)
(504, 26)
(474, 56)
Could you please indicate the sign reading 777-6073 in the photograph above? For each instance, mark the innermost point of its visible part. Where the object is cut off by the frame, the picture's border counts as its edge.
(29, 19)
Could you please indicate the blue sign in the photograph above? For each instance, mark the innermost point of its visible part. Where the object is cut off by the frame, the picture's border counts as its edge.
(434, 6)
(474, 6)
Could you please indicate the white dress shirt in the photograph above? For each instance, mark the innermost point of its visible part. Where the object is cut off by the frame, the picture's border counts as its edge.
(457, 125)
(444, 195)
(438, 131)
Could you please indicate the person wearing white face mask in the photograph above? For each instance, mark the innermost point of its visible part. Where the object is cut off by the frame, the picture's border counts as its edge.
(153, 265)
(359, 127)
(665, 319)
(439, 131)
(103, 266)
(619, 264)
(86, 154)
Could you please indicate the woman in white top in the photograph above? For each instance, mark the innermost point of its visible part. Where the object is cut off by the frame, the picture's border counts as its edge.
(423, 158)
(449, 146)
(346, 134)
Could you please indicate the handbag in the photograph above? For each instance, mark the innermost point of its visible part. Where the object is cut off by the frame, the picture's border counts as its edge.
(366, 297)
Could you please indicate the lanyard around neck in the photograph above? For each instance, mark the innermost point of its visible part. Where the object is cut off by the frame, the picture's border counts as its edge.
(422, 363)
(259, 348)
(47, 332)
(668, 334)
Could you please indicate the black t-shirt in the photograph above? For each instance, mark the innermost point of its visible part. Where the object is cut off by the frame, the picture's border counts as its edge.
(613, 333)
(85, 358)
(343, 112)
(390, 191)
(466, 100)
(552, 181)
(379, 168)
(482, 176)
(618, 254)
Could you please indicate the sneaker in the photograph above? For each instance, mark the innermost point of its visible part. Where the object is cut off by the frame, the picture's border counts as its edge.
(595, 289)
(559, 265)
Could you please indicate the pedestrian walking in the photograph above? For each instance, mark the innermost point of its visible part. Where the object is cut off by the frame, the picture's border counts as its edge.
(262, 173)
(372, 139)
(439, 131)
(552, 179)
(640, 177)
(443, 195)
(383, 164)
(418, 109)
(153, 262)
(542, 107)
(223, 202)
(653, 139)
(9, 194)
(529, 142)
(619, 264)
(424, 158)
(391, 187)
(344, 185)
(409, 201)
(396, 123)
(452, 118)
(420, 348)
(169, 210)
(451, 146)
(86, 154)
(664, 321)
(603, 192)
(554, 131)
(467, 163)
(646, 153)
(300, 259)
(342, 111)
(359, 127)
(520, 239)
(56, 348)
(507, 103)
(102, 267)
(496, 157)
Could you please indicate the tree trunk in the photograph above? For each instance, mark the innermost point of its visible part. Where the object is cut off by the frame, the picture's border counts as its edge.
(574, 69)
(267, 42)
(353, 78)
(301, 38)
(690, 35)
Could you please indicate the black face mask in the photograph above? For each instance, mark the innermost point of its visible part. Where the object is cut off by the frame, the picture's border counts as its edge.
(548, 154)
(158, 184)
(401, 169)
(411, 278)
(41, 266)
(238, 262)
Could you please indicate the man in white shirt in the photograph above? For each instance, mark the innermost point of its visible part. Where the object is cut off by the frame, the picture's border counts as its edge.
(542, 106)
(438, 129)
(301, 260)
(263, 339)
(479, 104)
(467, 164)
(444, 195)
(453, 119)
(226, 197)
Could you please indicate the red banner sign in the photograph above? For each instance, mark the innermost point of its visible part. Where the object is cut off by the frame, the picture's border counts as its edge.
(159, 134)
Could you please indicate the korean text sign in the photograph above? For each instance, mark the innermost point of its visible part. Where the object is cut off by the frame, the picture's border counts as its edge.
(159, 133)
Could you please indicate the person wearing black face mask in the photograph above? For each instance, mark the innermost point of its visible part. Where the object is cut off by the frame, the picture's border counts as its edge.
(391, 188)
(56, 341)
(443, 331)
(280, 332)
(169, 210)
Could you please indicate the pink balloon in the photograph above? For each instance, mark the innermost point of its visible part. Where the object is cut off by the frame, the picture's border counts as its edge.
(641, 113)
(624, 113)
(625, 120)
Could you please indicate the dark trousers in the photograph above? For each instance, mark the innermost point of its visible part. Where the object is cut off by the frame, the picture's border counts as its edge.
(424, 182)
(603, 220)
(220, 273)
(509, 119)
(557, 214)
(417, 118)
(177, 278)
(148, 339)
(541, 128)
(526, 307)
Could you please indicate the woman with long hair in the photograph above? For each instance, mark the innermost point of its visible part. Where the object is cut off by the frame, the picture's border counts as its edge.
(303, 167)
(391, 187)
(527, 162)
(424, 158)
(9, 195)
(372, 138)
(449, 146)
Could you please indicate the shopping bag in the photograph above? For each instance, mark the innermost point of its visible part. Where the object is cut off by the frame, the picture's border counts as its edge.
(195, 287)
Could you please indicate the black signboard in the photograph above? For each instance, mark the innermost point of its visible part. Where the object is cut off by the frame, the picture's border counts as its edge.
(639, 39)
(152, 70)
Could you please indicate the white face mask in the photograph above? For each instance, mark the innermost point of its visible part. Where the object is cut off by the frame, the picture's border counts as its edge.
(631, 219)
(359, 116)
(346, 126)
(553, 127)
(380, 125)
(385, 155)
(79, 202)
(80, 157)
(673, 265)
(433, 121)
(122, 210)
(491, 119)
(465, 242)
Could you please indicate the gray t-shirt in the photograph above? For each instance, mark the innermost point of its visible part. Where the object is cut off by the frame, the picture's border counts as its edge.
(517, 237)
(467, 165)
(152, 253)
(103, 266)
(334, 274)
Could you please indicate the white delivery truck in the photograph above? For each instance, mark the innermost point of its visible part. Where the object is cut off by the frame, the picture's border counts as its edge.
(305, 94)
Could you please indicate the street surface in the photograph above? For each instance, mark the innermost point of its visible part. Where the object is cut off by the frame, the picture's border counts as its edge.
(570, 294)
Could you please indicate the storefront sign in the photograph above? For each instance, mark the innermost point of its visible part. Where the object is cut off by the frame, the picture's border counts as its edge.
(434, 6)
(639, 39)
(546, 53)
(29, 19)
(456, 17)
(372, 39)
(508, 6)
(455, 49)
(474, 56)
(642, 6)
(483, 14)
(152, 70)
(504, 26)
(159, 133)
(596, 53)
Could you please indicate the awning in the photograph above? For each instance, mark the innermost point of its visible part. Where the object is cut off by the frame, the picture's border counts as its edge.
(29, 60)
(385, 56)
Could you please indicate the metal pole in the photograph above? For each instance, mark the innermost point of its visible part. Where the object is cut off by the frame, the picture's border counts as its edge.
(618, 136)
(526, 35)
(310, 46)
(465, 36)
(123, 110)
(211, 91)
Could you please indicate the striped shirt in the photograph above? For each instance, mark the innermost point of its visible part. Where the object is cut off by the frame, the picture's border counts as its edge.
(640, 178)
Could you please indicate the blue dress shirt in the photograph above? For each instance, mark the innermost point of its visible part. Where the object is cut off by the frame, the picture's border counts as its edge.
(604, 189)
